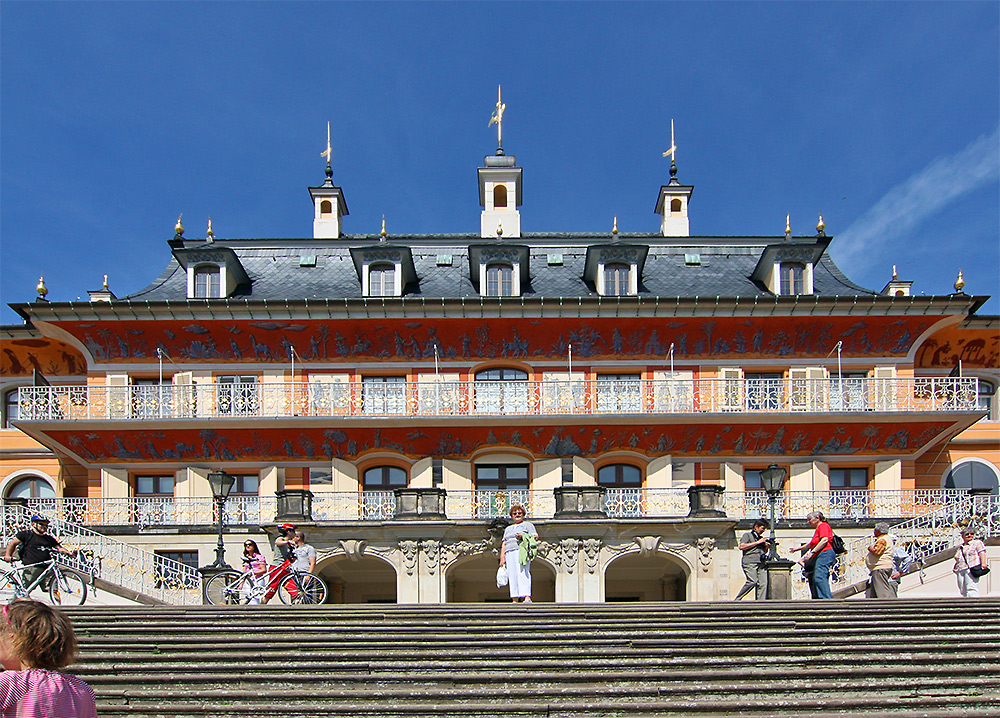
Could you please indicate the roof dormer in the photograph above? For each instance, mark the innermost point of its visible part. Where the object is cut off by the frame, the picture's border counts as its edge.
(786, 268)
(212, 272)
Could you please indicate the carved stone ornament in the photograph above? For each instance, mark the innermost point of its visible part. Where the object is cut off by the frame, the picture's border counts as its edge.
(705, 546)
(353, 548)
(452, 551)
(648, 545)
(562, 554)
(591, 552)
(409, 551)
(431, 549)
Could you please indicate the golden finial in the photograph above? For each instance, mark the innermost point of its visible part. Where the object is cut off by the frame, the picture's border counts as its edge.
(895, 275)
(788, 225)
(210, 234)
(179, 228)
(960, 282)
(821, 225)
(41, 289)
(105, 285)
(614, 228)
(383, 233)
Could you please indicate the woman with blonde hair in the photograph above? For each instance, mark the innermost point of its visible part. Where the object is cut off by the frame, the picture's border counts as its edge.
(520, 542)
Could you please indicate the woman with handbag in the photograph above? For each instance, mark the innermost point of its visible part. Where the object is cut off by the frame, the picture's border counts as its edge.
(818, 559)
(970, 563)
(520, 541)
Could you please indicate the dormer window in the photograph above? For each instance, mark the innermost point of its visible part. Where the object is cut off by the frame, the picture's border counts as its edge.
(786, 267)
(384, 270)
(500, 197)
(207, 282)
(382, 280)
(615, 269)
(499, 280)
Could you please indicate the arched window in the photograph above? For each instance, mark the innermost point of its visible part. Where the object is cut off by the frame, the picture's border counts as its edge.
(382, 280)
(499, 280)
(619, 476)
(675, 205)
(325, 208)
(31, 487)
(207, 283)
(973, 474)
(499, 196)
(793, 278)
(384, 478)
(616, 280)
(9, 409)
(501, 390)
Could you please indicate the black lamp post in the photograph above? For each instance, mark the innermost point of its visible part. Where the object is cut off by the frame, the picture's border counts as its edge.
(773, 480)
(222, 484)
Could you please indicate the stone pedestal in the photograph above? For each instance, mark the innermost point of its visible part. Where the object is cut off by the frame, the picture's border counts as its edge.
(576, 502)
(294, 505)
(206, 573)
(706, 501)
(779, 579)
(420, 504)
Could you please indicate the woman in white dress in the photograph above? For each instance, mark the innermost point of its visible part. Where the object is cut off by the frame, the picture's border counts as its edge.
(518, 575)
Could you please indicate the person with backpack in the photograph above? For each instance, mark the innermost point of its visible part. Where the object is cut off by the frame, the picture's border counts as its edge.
(820, 555)
(879, 562)
(34, 547)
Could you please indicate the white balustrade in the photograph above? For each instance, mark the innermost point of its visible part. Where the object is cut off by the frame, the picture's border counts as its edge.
(491, 504)
(513, 398)
(353, 506)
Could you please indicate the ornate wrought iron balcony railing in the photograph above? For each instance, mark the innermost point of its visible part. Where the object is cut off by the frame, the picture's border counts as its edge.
(490, 398)
(637, 503)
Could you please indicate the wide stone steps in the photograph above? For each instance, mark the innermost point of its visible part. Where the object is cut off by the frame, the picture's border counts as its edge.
(900, 658)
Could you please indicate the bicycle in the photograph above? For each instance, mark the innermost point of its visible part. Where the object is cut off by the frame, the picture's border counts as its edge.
(239, 588)
(65, 586)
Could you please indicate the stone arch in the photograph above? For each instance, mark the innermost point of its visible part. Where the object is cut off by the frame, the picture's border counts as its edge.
(654, 576)
(365, 579)
(472, 579)
(16, 477)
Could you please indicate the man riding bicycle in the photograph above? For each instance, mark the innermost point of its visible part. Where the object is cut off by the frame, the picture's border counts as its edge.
(36, 545)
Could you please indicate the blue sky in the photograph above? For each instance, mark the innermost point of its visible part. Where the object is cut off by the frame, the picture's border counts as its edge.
(116, 117)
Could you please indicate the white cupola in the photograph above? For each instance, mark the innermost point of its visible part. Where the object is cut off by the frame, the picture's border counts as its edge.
(500, 196)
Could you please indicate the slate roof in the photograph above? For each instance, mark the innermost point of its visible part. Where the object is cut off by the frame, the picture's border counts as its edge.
(725, 269)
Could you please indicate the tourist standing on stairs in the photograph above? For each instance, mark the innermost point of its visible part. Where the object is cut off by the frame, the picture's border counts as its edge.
(255, 563)
(754, 547)
(879, 561)
(519, 545)
(820, 554)
(971, 554)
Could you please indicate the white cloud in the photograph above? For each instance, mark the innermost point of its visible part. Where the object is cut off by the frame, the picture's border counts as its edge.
(906, 205)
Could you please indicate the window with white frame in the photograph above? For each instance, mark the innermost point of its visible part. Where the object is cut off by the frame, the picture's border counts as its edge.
(30, 487)
(499, 280)
(207, 282)
(158, 485)
(986, 398)
(792, 278)
(619, 393)
(972, 474)
(384, 394)
(236, 395)
(501, 390)
(617, 279)
(10, 408)
(382, 280)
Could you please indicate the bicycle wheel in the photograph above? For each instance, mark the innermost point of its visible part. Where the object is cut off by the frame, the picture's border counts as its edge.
(302, 589)
(228, 588)
(70, 589)
(8, 588)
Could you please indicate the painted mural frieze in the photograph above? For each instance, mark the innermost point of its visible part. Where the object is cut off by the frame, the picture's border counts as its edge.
(408, 549)
(348, 340)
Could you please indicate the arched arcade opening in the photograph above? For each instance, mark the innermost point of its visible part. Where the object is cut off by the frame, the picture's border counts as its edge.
(473, 579)
(367, 580)
(634, 577)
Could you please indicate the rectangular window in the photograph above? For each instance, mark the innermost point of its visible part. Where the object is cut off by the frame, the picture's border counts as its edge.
(154, 485)
(499, 281)
(752, 480)
(246, 485)
(619, 393)
(853, 478)
(384, 394)
(206, 284)
(501, 477)
(382, 281)
(237, 395)
(320, 476)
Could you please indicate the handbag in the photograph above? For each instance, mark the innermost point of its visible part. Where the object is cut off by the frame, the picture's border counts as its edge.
(502, 576)
(838, 545)
(978, 571)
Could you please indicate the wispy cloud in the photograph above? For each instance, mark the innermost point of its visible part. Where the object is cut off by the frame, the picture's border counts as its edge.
(906, 205)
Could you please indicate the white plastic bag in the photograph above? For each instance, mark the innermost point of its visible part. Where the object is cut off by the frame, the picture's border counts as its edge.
(501, 577)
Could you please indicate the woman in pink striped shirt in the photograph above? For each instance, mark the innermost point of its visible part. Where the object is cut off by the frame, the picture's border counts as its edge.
(35, 641)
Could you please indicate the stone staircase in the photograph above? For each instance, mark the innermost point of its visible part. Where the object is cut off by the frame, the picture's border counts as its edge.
(902, 658)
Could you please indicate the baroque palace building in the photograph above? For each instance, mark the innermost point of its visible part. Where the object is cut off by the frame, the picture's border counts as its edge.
(395, 394)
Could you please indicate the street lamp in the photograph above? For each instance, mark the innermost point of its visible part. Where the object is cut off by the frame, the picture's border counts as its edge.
(222, 484)
(773, 480)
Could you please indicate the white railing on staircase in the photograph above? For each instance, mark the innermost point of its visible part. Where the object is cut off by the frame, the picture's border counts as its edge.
(923, 536)
(116, 562)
